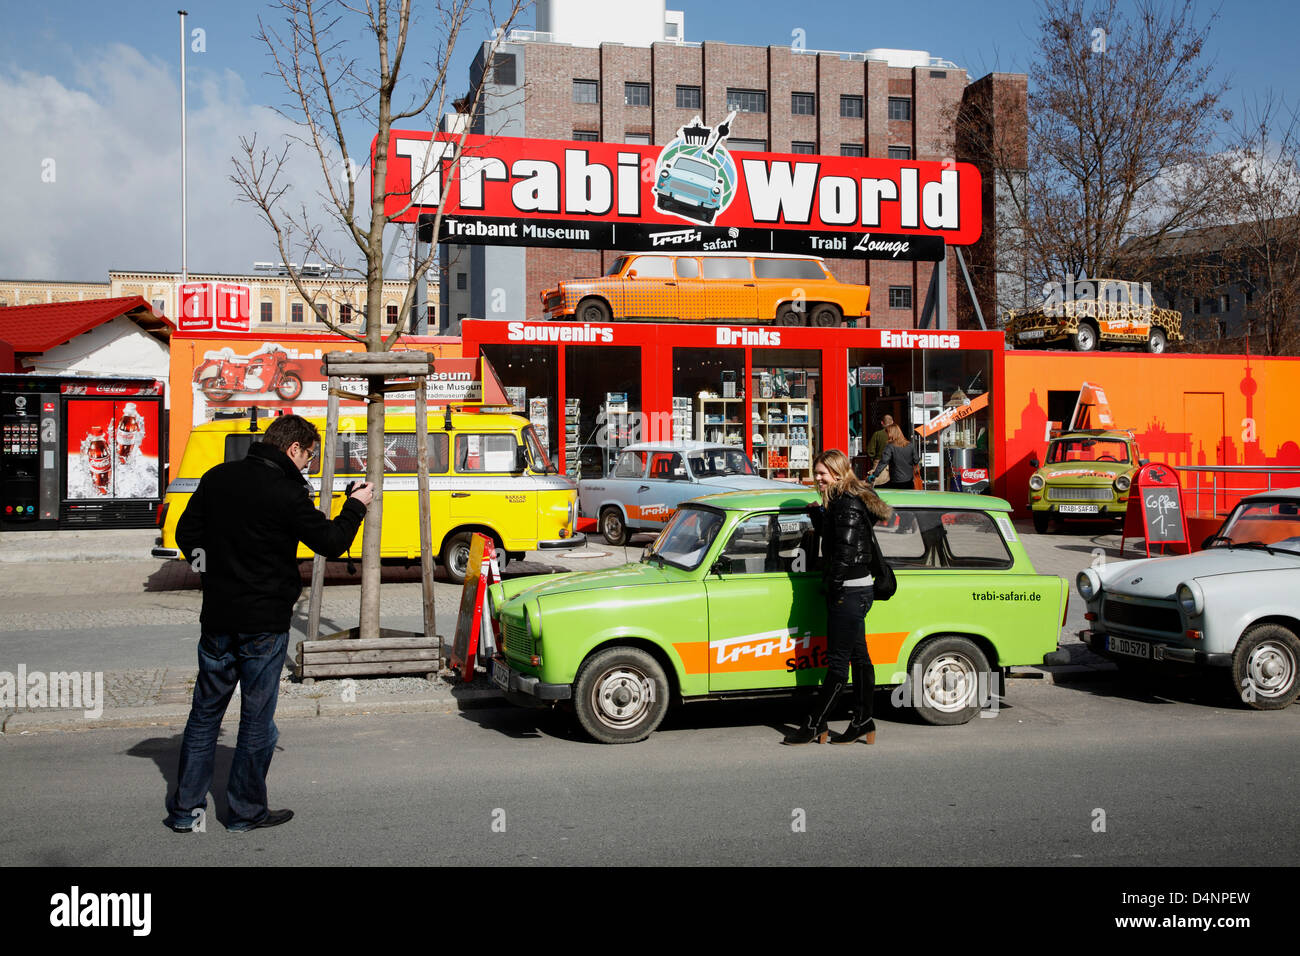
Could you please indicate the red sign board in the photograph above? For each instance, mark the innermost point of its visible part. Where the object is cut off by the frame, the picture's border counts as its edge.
(690, 194)
(1155, 510)
(214, 305)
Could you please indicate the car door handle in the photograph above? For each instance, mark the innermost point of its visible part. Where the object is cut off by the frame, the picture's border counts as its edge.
(460, 494)
(670, 283)
(749, 285)
(644, 488)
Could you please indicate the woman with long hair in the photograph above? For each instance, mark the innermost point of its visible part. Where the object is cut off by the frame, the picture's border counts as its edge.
(844, 518)
(899, 457)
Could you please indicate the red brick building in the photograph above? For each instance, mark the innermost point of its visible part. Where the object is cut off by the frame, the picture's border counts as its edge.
(883, 103)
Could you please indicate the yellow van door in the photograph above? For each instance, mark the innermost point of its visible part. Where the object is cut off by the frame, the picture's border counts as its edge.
(484, 490)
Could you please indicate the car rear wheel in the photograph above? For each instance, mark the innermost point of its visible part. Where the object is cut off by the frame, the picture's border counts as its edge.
(1265, 667)
(592, 310)
(950, 669)
(612, 526)
(620, 695)
(825, 316)
(455, 556)
(786, 314)
(1085, 338)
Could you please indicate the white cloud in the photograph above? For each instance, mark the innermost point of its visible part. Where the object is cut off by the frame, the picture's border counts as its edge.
(112, 143)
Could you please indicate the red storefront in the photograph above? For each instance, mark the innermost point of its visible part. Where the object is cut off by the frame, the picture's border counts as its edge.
(785, 393)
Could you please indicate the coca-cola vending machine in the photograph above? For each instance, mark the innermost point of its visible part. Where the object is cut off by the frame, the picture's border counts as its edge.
(81, 452)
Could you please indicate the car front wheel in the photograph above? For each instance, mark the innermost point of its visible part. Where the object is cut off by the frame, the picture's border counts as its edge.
(620, 695)
(1265, 666)
(1042, 521)
(612, 526)
(950, 669)
(1157, 342)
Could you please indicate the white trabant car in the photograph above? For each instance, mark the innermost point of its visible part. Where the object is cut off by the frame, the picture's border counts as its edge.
(650, 479)
(1234, 605)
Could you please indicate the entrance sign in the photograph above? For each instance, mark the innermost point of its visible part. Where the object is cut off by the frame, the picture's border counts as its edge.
(692, 194)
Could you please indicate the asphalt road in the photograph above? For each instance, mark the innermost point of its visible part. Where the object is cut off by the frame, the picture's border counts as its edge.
(1177, 780)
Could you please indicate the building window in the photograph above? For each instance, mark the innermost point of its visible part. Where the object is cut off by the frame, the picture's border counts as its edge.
(637, 139)
(1225, 303)
(322, 311)
(462, 280)
(803, 148)
(159, 306)
(390, 314)
(586, 91)
(852, 149)
(851, 106)
(900, 152)
(266, 312)
(747, 101)
(900, 108)
(1223, 328)
(636, 94)
(430, 317)
(503, 69)
(688, 97)
(1196, 306)
(803, 104)
(900, 297)
(586, 135)
(746, 145)
(345, 314)
(295, 312)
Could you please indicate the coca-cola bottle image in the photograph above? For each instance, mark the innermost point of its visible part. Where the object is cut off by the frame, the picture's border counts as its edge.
(100, 459)
(129, 432)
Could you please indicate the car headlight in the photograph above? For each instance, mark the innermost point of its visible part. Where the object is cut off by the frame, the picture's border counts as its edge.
(1122, 483)
(663, 174)
(1036, 482)
(1190, 598)
(1088, 584)
(717, 190)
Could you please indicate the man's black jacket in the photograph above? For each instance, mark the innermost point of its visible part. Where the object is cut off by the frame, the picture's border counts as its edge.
(247, 518)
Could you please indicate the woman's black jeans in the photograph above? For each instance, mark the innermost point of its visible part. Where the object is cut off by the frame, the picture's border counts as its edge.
(846, 643)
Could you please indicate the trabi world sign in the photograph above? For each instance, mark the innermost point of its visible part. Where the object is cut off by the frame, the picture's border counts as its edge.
(692, 193)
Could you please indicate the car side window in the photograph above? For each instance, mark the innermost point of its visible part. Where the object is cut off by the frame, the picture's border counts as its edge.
(765, 268)
(934, 538)
(481, 453)
(688, 268)
(653, 267)
(772, 543)
(631, 464)
(727, 267)
(668, 466)
(401, 454)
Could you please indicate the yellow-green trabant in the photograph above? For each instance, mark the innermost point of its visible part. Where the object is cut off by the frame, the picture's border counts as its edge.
(727, 601)
(1087, 474)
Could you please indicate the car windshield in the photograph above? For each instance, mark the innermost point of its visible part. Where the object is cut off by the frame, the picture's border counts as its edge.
(719, 462)
(695, 167)
(686, 539)
(617, 265)
(1273, 524)
(1087, 449)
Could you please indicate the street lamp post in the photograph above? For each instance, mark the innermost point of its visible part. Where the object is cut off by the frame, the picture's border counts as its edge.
(185, 275)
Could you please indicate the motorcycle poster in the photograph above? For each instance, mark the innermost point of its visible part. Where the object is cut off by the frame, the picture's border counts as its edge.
(112, 449)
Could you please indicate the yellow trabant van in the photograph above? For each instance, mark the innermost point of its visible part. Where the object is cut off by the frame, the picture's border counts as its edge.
(487, 473)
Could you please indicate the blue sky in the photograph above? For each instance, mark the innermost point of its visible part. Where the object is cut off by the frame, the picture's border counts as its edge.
(94, 86)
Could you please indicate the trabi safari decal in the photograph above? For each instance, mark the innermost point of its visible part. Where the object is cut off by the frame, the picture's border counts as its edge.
(695, 177)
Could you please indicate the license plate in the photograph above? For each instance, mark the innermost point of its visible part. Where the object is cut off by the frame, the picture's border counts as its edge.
(1034, 334)
(500, 675)
(1078, 509)
(1122, 645)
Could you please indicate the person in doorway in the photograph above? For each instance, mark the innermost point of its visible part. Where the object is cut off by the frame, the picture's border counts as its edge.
(241, 532)
(844, 518)
(899, 456)
(877, 442)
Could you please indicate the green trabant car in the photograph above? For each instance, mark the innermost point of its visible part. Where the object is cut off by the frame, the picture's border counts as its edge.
(727, 601)
(1087, 475)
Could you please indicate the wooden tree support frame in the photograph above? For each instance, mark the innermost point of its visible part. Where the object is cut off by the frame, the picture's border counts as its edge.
(394, 652)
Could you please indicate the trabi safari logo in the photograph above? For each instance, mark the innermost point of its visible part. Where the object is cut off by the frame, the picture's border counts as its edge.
(695, 177)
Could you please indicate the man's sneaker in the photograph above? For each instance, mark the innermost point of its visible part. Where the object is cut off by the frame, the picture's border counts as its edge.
(183, 827)
(273, 819)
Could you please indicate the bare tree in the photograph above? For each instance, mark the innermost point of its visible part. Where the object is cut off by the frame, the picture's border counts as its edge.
(351, 74)
(1121, 109)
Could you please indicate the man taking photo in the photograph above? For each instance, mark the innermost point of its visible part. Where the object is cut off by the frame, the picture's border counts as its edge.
(241, 532)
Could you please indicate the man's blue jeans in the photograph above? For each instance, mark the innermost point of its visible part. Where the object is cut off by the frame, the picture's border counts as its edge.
(254, 662)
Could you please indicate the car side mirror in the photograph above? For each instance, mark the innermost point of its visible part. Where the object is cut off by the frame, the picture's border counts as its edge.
(631, 274)
(1033, 461)
(521, 458)
(720, 567)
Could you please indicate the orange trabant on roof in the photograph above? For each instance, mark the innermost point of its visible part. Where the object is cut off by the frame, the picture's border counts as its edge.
(711, 286)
